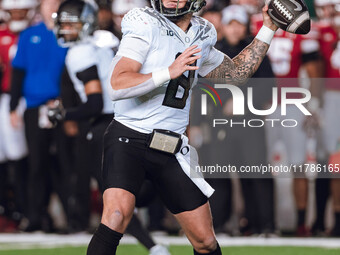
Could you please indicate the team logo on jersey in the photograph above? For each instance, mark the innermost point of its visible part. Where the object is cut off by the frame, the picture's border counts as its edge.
(167, 32)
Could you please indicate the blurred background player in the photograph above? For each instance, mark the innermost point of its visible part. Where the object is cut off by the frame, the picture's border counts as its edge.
(13, 149)
(288, 54)
(327, 97)
(92, 111)
(327, 36)
(37, 68)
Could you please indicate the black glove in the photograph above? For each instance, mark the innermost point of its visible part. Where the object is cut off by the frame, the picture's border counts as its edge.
(56, 113)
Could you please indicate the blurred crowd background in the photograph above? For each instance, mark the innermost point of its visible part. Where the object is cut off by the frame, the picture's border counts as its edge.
(43, 187)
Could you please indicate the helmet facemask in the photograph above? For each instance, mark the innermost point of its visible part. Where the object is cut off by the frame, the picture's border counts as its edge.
(69, 33)
(177, 13)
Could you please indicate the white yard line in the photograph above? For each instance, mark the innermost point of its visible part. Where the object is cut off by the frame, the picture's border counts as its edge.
(39, 240)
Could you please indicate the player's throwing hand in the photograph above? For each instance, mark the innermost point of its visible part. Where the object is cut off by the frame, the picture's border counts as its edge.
(267, 21)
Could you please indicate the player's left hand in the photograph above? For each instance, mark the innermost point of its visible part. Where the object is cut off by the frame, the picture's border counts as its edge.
(184, 62)
(267, 21)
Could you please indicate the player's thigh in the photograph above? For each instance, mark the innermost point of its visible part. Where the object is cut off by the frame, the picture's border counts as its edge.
(176, 189)
(122, 175)
(123, 159)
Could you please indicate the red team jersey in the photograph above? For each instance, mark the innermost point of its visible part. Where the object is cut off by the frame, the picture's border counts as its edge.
(330, 51)
(8, 45)
(286, 53)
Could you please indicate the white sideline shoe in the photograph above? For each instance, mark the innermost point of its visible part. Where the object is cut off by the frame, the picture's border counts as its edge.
(159, 250)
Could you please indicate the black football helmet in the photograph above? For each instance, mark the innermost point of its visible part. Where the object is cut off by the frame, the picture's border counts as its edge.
(190, 7)
(80, 12)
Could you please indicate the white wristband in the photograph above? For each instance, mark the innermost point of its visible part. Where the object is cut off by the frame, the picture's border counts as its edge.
(265, 34)
(160, 77)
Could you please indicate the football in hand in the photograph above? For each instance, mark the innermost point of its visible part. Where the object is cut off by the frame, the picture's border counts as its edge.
(290, 15)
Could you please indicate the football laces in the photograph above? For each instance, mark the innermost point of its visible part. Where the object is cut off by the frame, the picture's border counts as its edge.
(283, 10)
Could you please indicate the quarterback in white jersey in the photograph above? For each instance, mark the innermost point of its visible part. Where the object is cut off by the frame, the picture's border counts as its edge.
(163, 50)
(160, 42)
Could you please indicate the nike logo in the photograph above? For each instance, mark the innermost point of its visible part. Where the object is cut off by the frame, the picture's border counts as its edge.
(298, 6)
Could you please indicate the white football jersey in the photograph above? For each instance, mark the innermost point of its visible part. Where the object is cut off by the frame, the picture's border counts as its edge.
(156, 43)
(84, 55)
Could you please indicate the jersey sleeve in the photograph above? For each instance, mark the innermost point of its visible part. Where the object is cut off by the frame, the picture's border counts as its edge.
(80, 58)
(137, 35)
(213, 57)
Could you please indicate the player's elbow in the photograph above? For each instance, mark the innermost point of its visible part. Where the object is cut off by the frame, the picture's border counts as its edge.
(118, 86)
(116, 82)
(115, 92)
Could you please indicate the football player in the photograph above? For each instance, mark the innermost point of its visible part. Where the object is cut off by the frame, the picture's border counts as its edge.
(85, 72)
(13, 148)
(162, 49)
(288, 54)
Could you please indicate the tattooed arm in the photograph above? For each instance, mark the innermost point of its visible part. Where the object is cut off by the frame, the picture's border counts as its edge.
(243, 66)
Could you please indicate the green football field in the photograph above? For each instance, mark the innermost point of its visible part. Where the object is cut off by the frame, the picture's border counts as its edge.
(182, 250)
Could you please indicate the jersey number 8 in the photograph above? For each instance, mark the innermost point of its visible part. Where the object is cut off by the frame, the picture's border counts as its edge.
(171, 96)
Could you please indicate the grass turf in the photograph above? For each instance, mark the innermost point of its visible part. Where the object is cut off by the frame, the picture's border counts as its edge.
(182, 250)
